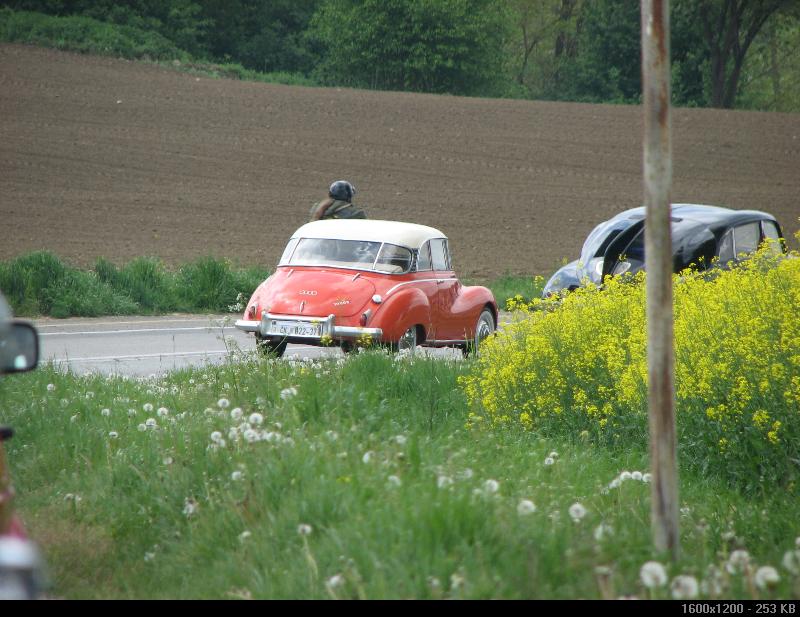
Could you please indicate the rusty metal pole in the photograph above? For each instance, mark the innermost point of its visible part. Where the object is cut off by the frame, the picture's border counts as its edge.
(658, 255)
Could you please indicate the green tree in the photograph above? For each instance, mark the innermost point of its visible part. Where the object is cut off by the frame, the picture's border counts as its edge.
(453, 46)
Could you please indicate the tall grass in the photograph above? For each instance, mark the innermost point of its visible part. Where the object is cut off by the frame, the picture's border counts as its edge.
(41, 284)
(352, 478)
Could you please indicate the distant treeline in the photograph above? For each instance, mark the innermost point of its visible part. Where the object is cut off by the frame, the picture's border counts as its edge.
(725, 53)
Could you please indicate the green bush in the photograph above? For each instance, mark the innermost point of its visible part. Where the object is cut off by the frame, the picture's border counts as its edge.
(86, 35)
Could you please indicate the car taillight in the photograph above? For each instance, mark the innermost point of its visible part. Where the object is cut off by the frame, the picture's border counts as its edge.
(253, 311)
(365, 317)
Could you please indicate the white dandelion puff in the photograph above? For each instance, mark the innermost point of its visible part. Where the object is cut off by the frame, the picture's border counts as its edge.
(625, 475)
(766, 577)
(105, 412)
(603, 531)
(216, 436)
(223, 403)
(237, 475)
(394, 481)
(653, 574)
(577, 512)
(526, 507)
(151, 423)
(148, 407)
(256, 419)
(251, 436)
(553, 454)
(304, 529)
(444, 481)
(491, 486)
(684, 587)
(791, 561)
(738, 561)
(236, 413)
(288, 393)
(142, 428)
(162, 412)
(51, 387)
(636, 475)
(244, 536)
(549, 461)
(646, 477)
(189, 507)
(337, 580)
(400, 440)
(367, 456)
(113, 434)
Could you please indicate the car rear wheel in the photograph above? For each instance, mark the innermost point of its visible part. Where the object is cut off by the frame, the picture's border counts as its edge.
(484, 327)
(407, 342)
(271, 346)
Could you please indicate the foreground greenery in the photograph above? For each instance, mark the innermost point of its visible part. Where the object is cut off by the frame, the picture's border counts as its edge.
(354, 478)
(724, 54)
(40, 283)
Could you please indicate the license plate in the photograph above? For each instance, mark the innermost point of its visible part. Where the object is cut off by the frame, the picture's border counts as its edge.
(295, 328)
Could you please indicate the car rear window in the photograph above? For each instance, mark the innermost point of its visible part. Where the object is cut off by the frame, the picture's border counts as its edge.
(355, 254)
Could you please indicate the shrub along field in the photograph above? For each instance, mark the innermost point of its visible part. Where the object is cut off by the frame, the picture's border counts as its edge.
(359, 478)
(40, 283)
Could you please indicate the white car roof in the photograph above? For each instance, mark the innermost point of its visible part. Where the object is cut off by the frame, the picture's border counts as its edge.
(409, 235)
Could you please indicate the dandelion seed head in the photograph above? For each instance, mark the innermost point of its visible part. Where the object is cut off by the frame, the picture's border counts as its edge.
(603, 531)
(625, 475)
(766, 577)
(244, 536)
(237, 475)
(150, 423)
(491, 486)
(304, 529)
(653, 574)
(256, 419)
(74, 418)
(189, 507)
(577, 512)
(394, 481)
(113, 434)
(526, 507)
(684, 587)
(223, 403)
(646, 478)
(51, 387)
(162, 412)
(549, 461)
(791, 561)
(738, 561)
(337, 580)
(400, 440)
(251, 436)
(142, 428)
(236, 413)
(367, 456)
(444, 481)
(147, 407)
(105, 412)
(553, 454)
(636, 475)
(288, 393)
(167, 460)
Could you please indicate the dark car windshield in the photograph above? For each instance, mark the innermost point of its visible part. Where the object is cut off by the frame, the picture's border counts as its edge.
(602, 235)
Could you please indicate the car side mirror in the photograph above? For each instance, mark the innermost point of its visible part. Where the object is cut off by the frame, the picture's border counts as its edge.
(19, 351)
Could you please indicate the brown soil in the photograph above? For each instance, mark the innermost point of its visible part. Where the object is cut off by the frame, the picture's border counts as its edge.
(105, 157)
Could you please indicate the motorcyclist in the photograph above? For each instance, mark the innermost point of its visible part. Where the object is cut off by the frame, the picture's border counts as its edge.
(338, 204)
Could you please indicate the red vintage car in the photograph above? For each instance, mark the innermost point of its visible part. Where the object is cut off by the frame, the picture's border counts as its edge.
(351, 282)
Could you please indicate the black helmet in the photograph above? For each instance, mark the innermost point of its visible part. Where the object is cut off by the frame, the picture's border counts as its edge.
(342, 190)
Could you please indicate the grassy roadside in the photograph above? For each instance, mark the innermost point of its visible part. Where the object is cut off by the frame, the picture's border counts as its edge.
(39, 283)
(350, 478)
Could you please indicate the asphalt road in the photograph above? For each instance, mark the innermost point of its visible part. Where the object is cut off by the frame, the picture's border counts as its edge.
(142, 346)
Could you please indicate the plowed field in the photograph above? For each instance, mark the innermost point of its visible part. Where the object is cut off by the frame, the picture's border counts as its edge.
(105, 157)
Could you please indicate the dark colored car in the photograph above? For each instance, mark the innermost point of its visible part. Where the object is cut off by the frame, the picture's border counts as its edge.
(699, 235)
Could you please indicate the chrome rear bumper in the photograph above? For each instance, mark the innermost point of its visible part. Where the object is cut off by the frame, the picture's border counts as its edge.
(328, 324)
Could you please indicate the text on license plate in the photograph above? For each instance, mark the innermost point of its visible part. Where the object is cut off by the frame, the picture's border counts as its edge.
(295, 328)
